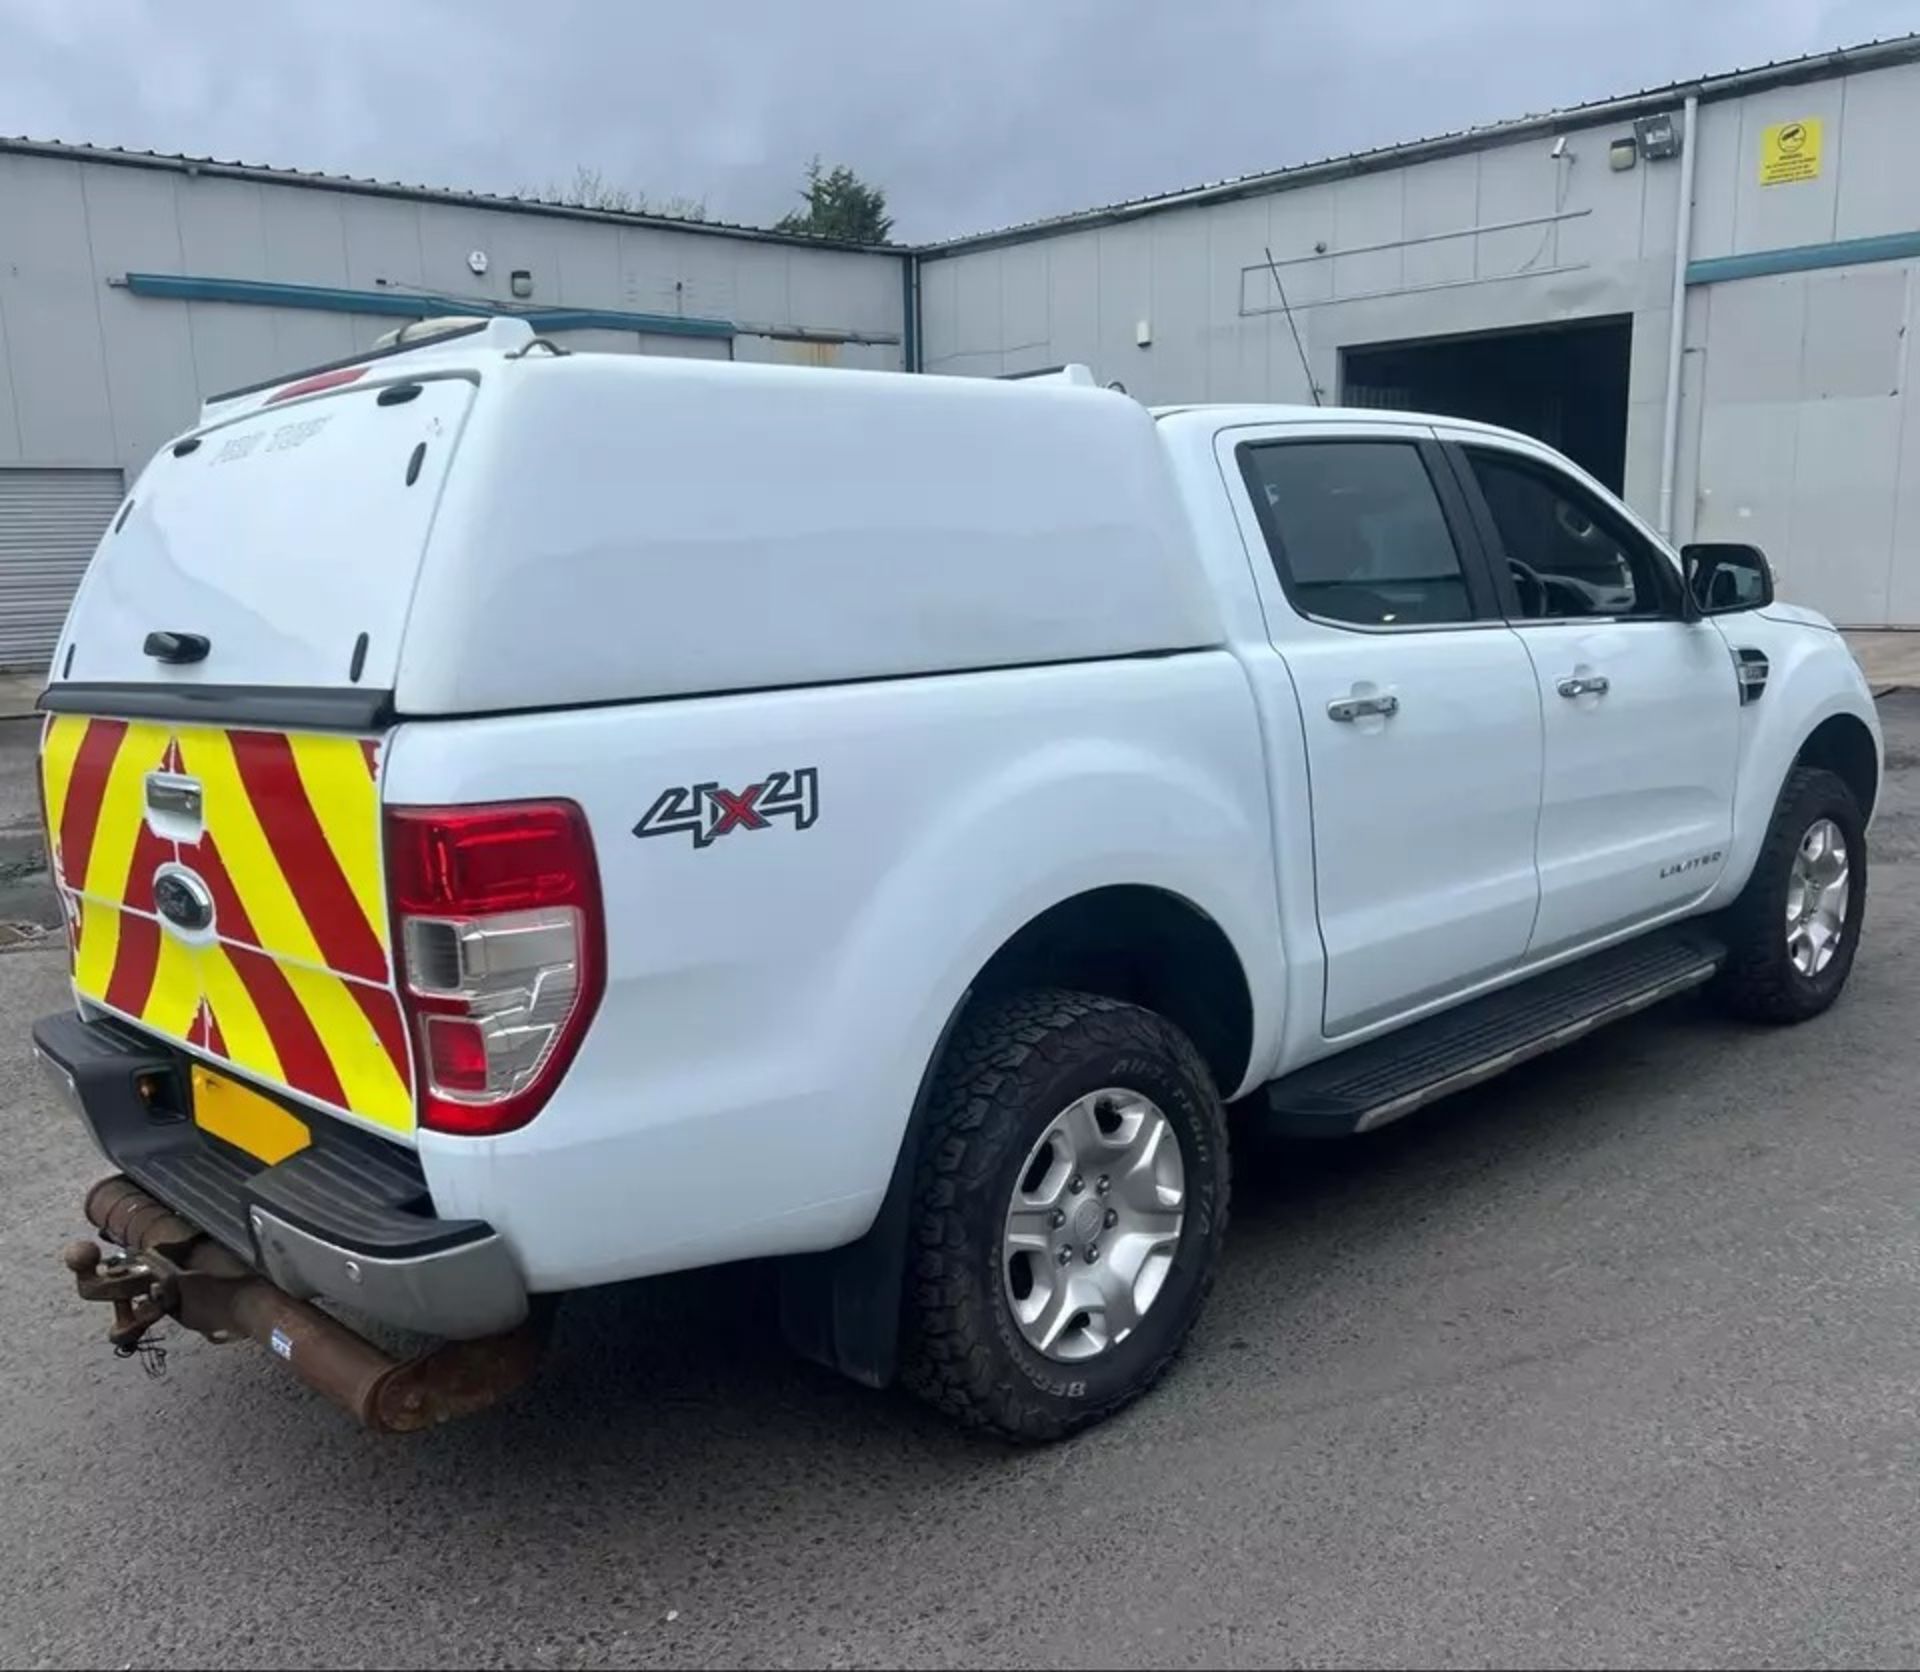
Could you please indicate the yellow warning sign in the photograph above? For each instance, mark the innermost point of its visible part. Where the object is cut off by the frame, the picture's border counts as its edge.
(1790, 151)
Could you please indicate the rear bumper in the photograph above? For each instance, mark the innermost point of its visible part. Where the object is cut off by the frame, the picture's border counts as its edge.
(347, 1220)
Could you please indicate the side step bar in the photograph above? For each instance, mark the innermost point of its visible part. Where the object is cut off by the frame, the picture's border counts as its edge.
(1372, 1084)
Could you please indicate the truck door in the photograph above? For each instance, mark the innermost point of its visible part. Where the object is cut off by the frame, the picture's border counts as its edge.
(1641, 707)
(1418, 707)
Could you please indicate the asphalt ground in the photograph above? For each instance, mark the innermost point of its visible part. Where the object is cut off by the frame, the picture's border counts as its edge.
(1615, 1361)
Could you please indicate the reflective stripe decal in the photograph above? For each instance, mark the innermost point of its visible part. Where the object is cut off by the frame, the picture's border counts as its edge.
(344, 925)
(296, 1047)
(59, 750)
(337, 776)
(173, 999)
(99, 943)
(296, 988)
(135, 961)
(79, 817)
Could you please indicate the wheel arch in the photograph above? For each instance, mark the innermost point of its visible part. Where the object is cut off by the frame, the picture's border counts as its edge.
(1137, 943)
(1141, 945)
(1815, 710)
(1844, 746)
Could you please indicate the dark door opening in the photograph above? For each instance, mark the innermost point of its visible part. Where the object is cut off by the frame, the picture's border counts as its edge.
(1565, 385)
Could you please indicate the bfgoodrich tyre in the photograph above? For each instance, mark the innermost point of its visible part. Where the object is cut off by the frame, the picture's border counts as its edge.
(1069, 1207)
(1792, 934)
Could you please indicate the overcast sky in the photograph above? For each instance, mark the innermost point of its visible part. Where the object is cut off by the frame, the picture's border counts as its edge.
(971, 113)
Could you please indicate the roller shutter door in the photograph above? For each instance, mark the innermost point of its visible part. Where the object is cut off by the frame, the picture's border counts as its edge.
(50, 521)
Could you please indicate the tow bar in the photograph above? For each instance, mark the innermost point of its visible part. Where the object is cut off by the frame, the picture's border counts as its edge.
(170, 1268)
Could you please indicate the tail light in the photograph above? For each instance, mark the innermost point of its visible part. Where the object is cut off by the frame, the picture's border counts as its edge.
(501, 946)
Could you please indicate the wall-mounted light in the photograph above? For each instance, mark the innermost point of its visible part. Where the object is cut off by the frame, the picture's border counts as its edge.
(1658, 136)
(1143, 333)
(1622, 154)
(521, 282)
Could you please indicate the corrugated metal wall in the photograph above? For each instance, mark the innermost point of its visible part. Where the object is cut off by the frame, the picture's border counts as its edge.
(1794, 430)
(1806, 445)
(50, 521)
(1504, 237)
(94, 376)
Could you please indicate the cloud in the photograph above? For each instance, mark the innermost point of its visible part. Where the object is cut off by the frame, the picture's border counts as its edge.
(972, 113)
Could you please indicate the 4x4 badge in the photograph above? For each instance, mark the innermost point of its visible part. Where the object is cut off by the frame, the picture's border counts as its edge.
(706, 812)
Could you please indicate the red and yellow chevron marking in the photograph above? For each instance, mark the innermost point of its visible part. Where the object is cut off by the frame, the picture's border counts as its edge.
(296, 989)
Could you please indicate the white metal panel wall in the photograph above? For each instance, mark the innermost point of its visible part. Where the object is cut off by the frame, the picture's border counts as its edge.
(1803, 447)
(93, 374)
(1792, 428)
(1509, 235)
(50, 521)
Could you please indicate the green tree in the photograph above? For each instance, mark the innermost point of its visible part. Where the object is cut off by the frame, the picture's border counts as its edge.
(839, 204)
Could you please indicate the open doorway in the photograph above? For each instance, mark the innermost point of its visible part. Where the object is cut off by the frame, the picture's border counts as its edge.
(1564, 384)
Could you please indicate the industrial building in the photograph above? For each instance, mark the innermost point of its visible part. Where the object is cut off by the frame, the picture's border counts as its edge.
(1529, 273)
(132, 286)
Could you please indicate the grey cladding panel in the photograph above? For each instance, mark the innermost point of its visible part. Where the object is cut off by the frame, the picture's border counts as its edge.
(1369, 224)
(1440, 199)
(448, 236)
(221, 224)
(383, 244)
(1779, 217)
(834, 290)
(223, 230)
(1023, 296)
(1845, 467)
(1175, 367)
(133, 224)
(977, 304)
(940, 310)
(1855, 323)
(51, 317)
(1880, 144)
(1073, 299)
(306, 238)
(1756, 341)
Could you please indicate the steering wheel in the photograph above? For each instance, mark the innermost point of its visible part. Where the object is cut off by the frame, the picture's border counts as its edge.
(1532, 589)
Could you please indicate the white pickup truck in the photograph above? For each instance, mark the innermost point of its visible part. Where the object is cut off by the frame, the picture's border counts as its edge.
(529, 820)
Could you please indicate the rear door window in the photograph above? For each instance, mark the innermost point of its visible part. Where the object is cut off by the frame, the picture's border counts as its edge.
(1357, 533)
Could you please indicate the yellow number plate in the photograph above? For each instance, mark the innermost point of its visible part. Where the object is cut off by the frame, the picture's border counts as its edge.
(245, 1119)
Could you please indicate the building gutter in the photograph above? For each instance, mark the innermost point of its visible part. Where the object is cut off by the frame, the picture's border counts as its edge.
(910, 312)
(1677, 319)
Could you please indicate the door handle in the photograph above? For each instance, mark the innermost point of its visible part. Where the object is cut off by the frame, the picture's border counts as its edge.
(1352, 708)
(1587, 685)
(170, 792)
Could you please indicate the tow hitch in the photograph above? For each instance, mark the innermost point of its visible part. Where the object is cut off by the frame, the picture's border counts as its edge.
(170, 1268)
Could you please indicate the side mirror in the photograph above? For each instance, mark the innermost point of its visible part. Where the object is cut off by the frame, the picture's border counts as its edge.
(1724, 577)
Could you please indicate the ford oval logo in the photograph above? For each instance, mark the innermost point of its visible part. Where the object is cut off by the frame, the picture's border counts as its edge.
(183, 899)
